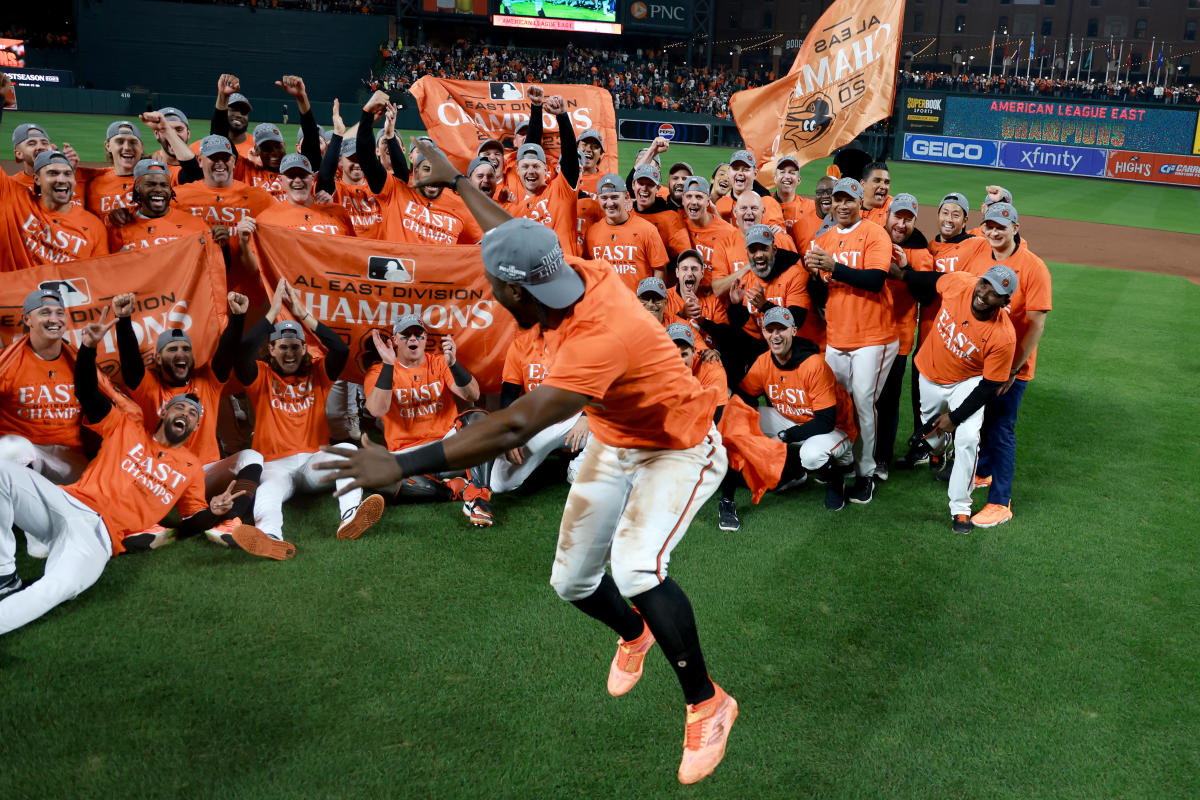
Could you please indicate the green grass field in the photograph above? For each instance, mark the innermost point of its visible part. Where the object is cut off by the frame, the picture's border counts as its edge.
(873, 652)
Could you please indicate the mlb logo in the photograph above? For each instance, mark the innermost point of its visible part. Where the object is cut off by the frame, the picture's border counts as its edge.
(73, 291)
(505, 91)
(392, 270)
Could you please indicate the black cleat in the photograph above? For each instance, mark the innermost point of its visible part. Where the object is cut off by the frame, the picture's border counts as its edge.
(945, 467)
(835, 496)
(10, 583)
(913, 458)
(961, 524)
(862, 491)
(727, 516)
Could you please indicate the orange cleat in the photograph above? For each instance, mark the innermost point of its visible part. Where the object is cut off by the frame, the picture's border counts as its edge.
(626, 667)
(366, 514)
(980, 483)
(708, 725)
(992, 515)
(257, 543)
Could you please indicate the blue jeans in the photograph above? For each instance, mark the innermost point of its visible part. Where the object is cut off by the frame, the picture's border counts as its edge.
(998, 449)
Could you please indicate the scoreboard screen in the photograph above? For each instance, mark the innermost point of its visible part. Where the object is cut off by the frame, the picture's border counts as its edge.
(584, 16)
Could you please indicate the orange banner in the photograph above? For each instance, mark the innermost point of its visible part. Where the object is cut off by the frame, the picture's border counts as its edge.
(355, 285)
(178, 285)
(459, 115)
(843, 80)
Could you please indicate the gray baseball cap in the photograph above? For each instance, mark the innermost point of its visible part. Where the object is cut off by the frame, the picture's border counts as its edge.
(690, 253)
(28, 130)
(680, 332)
(287, 329)
(171, 335)
(531, 151)
(744, 156)
(528, 254)
(1005, 197)
(904, 202)
(521, 126)
(612, 182)
(957, 198)
(324, 134)
(47, 156)
(592, 133)
(1002, 213)
(696, 184)
(349, 147)
(848, 186)
(478, 161)
(238, 97)
(295, 161)
(406, 321)
(122, 126)
(171, 111)
(489, 143)
(678, 165)
(148, 166)
(213, 144)
(652, 285)
(787, 160)
(187, 399)
(648, 171)
(1003, 280)
(760, 234)
(778, 315)
(40, 297)
(266, 132)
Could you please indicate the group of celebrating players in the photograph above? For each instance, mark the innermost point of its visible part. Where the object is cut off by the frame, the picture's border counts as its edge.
(680, 334)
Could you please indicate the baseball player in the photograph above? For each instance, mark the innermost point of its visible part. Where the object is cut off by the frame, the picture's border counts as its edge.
(691, 302)
(654, 458)
(43, 226)
(208, 190)
(135, 479)
(853, 259)
(1027, 309)
(288, 390)
(341, 175)
(630, 243)
(31, 140)
(800, 218)
(963, 364)
(707, 231)
(231, 117)
(299, 209)
(662, 213)
(112, 188)
(876, 181)
(151, 221)
(994, 194)
(178, 122)
(743, 172)
(414, 394)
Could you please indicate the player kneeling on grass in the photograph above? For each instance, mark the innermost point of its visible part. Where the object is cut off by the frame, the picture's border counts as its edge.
(962, 365)
(414, 393)
(654, 458)
(807, 407)
(288, 389)
(133, 481)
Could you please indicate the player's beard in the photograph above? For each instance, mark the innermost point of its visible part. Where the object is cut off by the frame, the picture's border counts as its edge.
(175, 433)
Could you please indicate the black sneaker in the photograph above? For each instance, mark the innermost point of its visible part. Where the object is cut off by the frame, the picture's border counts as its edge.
(835, 496)
(942, 473)
(862, 491)
(10, 583)
(793, 483)
(727, 516)
(961, 524)
(914, 458)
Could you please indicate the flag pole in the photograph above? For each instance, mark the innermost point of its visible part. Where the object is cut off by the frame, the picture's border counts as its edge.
(1150, 59)
(991, 54)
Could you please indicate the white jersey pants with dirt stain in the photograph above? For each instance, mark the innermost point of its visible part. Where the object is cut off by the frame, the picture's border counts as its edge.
(815, 451)
(862, 373)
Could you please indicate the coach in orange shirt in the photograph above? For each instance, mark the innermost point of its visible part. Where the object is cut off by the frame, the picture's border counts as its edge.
(300, 209)
(964, 363)
(655, 456)
(209, 191)
(630, 243)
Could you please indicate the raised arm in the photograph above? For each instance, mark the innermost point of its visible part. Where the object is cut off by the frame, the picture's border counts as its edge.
(486, 211)
(231, 338)
(133, 370)
(568, 159)
(93, 402)
(373, 171)
(311, 146)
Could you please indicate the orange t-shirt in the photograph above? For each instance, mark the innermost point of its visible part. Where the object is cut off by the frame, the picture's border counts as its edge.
(879, 214)
(963, 346)
(671, 229)
(529, 357)
(799, 393)
(37, 397)
(328, 219)
(588, 213)
(1033, 293)
(801, 220)
(423, 407)
(410, 216)
(711, 240)
(904, 307)
(224, 206)
(731, 255)
(947, 257)
(856, 317)
(712, 308)
(633, 248)
(789, 288)
(134, 481)
(610, 349)
(30, 235)
(261, 178)
(152, 396)
(362, 205)
(107, 191)
(711, 375)
(289, 411)
(141, 232)
(555, 207)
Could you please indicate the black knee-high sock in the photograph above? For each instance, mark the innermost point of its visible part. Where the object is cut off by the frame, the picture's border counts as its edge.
(247, 480)
(730, 483)
(792, 468)
(668, 612)
(607, 605)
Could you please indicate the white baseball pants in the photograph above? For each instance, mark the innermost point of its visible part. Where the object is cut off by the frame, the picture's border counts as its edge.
(283, 477)
(937, 399)
(815, 451)
(507, 476)
(78, 542)
(862, 373)
(629, 508)
(59, 463)
(219, 474)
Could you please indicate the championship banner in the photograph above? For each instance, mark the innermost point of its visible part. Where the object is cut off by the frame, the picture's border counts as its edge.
(461, 115)
(356, 285)
(842, 81)
(178, 285)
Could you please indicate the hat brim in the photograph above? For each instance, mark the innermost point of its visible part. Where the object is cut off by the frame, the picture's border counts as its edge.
(564, 289)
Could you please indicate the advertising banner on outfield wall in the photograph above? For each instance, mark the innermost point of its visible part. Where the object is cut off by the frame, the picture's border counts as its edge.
(1052, 158)
(950, 150)
(667, 16)
(1154, 168)
(647, 130)
(923, 113)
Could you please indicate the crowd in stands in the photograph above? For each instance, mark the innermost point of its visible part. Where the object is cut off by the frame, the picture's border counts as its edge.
(1133, 89)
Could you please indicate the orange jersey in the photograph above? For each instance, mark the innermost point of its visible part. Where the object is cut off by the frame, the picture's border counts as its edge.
(633, 248)
(711, 240)
(641, 393)
(410, 216)
(879, 214)
(711, 375)
(37, 397)
(327, 219)
(772, 212)
(555, 207)
(30, 235)
(529, 357)
(800, 219)
(730, 255)
(107, 191)
(963, 346)
(904, 307)
(362, 206)
(289, 411)
(134, 481)
(227, 206)
(789, 288)
(142, 232)
(587, 214)
(671, 229)
(801, 392)
(953, 256)
(152, 396)
(1033, 293)
(423, 408)
(261, 178)
(856, 317)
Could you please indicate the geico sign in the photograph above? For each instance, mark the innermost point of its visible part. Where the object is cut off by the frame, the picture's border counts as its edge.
(653, 11)
(958, 150)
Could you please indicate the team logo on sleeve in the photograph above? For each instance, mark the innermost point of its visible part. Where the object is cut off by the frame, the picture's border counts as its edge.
(73, 291)
(392, 270)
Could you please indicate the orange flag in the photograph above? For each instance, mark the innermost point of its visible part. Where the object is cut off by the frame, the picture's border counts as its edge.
(178, 285)
(356, 285)
(460, 115)
(843, 80)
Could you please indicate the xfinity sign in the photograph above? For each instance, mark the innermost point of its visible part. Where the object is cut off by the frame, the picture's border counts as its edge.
(950, 150)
